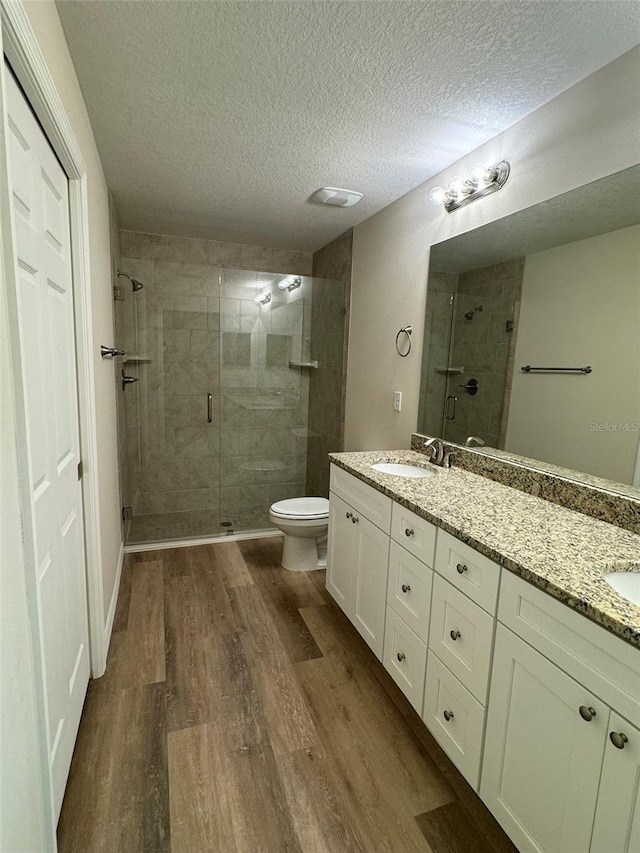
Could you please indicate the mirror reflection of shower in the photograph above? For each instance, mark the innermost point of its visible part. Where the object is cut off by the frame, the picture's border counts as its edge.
(469, 314)
(137, 285)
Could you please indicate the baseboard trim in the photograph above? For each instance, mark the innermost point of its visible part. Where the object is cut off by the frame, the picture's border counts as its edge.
(111, 615)
(208, 540)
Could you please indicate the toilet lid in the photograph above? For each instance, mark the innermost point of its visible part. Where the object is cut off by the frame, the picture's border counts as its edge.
(302, 508)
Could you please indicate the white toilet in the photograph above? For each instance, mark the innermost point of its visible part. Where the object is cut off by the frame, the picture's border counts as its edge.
(304, 522)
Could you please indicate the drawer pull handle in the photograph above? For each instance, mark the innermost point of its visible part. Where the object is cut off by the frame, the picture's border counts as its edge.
(348, 514)
(448, 715)
(401, 656)
(587, 714)
(461, 568)
(455, 635)
(405, 587)
(355, 519)
(618, 739)
(408, 532)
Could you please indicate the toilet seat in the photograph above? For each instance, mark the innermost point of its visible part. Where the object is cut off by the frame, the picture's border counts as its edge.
(301, 508)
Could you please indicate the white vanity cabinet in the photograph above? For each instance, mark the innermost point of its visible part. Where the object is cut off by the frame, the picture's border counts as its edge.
(358, 554)
(552, 774)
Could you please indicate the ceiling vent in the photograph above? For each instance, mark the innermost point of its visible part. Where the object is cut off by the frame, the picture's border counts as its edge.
(334, 195)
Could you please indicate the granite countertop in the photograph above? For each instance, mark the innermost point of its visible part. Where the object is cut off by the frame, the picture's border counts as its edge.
(556, 549)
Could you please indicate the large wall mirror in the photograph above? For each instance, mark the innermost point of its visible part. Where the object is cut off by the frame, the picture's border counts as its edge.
(554, 288)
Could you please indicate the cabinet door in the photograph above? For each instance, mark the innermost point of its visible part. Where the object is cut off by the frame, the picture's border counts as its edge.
(370, 583)
(542, 760)
(341, 552)
(617, 825)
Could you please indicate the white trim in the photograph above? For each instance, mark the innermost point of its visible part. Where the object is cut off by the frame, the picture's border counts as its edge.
(207, 540)
(27, 61)
(111, 615)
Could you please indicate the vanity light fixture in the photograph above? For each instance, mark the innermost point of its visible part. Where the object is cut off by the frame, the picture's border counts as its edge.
(291, 282)
(480, 181)
(263, 298)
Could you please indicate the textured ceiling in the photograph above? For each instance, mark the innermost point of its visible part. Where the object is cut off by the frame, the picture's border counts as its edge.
(219, 119)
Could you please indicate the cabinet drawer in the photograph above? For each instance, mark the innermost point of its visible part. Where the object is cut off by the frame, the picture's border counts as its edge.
(472, 573)
(405, 658)
(461, 734)
(461, 635)
(409, 589)
(603, 663)
(413, 533)
(372, 504)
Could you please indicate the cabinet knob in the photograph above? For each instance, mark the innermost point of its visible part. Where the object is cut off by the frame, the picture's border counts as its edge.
(408, 532)
(454, 635)
(405, 587)
(348, 514)
(448, 715)
(461, 568)
(401, 656)
(355, 519)
(587, 714)
(618, 739)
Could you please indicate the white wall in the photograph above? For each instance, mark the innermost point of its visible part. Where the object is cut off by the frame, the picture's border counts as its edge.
(580, 305)
(44, 19)
(584, 134)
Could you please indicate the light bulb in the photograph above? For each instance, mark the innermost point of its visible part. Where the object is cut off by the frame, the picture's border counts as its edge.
(284, 283)
(456, 186)
(263, 298)
(437, 194)
(477, 173)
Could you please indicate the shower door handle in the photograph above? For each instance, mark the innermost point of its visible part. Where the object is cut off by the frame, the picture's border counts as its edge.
(450, 413)
(209, 408)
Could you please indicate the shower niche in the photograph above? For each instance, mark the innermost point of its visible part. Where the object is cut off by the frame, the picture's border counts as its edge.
(228, 362)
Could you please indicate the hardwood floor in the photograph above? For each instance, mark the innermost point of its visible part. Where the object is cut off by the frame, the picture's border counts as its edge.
(242, 713)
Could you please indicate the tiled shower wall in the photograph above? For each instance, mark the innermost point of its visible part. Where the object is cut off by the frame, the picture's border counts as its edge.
(329, 346)
(483, 346)
(195, 330)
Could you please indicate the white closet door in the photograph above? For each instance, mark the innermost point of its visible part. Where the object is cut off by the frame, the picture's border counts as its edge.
(40, 208)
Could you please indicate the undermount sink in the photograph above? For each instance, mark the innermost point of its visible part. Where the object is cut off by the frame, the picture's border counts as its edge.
(626, 584)
(398, 470)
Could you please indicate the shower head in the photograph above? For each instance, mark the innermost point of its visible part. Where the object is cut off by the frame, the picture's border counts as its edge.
(137, 285)
(469, 314)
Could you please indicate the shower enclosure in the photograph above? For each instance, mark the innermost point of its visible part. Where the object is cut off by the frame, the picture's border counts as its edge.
(228, 363)
(471, 324)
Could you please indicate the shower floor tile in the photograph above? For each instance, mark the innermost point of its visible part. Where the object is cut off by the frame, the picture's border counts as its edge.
(159, 527)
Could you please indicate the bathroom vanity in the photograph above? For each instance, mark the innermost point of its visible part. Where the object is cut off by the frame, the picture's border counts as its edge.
(475, 598)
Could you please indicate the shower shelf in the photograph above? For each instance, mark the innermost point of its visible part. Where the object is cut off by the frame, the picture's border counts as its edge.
(310, 365)
(449, 370)
(263, 465)
(136, 359)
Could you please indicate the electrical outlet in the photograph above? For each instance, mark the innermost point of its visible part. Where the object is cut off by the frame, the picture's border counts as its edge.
(397, 401)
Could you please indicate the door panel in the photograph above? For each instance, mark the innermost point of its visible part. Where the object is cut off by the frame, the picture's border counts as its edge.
(542, 759)
(340, 553)
(370, 583)
(40, 208)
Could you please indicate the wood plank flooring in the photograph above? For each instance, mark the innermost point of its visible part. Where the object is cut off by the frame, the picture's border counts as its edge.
(242, 713)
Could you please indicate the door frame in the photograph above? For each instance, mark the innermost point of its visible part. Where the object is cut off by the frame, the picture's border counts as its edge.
(22, 51)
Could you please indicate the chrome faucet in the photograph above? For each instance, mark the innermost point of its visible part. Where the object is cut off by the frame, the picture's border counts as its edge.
(435, 447)
(438, 454)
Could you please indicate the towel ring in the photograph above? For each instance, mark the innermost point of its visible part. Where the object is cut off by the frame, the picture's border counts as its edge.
(405, 330)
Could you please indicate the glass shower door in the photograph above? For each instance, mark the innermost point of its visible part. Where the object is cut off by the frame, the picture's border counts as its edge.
(264, 392)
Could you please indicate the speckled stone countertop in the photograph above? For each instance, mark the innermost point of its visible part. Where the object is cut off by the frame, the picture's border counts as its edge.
(563, 552)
